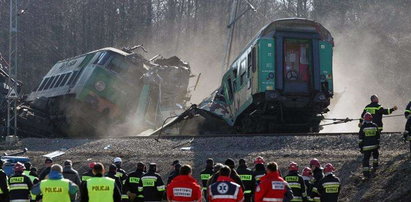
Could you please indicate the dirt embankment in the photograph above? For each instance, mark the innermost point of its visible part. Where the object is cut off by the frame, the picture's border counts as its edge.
(390, 184)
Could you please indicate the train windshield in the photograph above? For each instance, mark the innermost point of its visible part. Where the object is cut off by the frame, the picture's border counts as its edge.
(297, 65)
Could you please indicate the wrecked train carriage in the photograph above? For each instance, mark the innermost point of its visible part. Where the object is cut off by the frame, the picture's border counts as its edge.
(88, 94)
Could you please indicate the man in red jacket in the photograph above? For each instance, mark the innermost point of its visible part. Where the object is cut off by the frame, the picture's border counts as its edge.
(184, 187)
(272, 187)
(225, 189)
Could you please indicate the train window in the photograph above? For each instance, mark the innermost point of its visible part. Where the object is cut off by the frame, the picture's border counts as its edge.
(230, 90)
(254, 59)
(59, 81)
(66, 76)
(73, 76)
(102, 58)
(297, 60)
(54, 82)
(49, 83)
(43, 84)
(243, 70)
(86, 60)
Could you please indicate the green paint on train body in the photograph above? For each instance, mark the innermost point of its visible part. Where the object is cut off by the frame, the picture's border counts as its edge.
(266, 66)
(326, 63)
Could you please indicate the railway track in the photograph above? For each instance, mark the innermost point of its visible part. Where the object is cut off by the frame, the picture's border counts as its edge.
(166, 136)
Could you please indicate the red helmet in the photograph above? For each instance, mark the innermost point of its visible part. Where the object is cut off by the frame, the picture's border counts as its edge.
(91, 165)
(328, 168)
(293, 166)
(19, 167)
(307, 172)
(367, 117)
(259, 160)
(315, 162)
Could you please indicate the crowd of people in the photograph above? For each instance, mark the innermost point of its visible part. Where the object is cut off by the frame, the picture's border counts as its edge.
(218, 183)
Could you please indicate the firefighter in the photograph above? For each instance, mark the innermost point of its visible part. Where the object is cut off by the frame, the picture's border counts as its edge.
(308, 177)
(122, 174)
(206, 174)
(246, 176)
(176, 171)
(131, 185)
(296, 183)
(112, 173)
(55, 187)
(184, 187)
(89, 174)
(31, 172)
(20, 185)
(318, 175)
(329, 186)
(99, 188)
(225, 189)
(151, 184)
(259, 169)
(272, 187)
(369, 136)
(407, 133)
(377, 111)
(4, 189)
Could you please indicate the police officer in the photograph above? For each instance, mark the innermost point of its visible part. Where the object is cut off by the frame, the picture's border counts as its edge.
(272, 187)
(206, 174)
(369, 136)
(152, 185)
(377, 111)
(296, 183)
(184, 187)
(122, 174)
(330, 186)
(224, 189)
(318, 175)
(259, 169)
(4, 189)
(20, 185)
(89, 174)
(131, 185)
(407, 114)
(308, 177)
(246, 176)
(99, 188)
(55, 188)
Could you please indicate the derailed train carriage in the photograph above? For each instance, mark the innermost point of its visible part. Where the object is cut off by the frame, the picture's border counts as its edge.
(88, 94)
(281, 82)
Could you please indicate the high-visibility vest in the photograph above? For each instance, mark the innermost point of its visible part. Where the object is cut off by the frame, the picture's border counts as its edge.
(55, 190)
(100, 189)
(7, 180)
(32, 178)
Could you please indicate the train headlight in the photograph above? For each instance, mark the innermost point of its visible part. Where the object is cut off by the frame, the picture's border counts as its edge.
(100, 86)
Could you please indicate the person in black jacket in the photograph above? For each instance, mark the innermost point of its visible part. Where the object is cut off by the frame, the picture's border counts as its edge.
(20, 184)
(318, 176)
(407, 114)
(4, 189)
(112, 171)
(70, 173)
(152, 185)
(122, 174)
(246, 176)
(46, 170)
(296, 183)
(377, 111)
(233, 174)
(174, 173)
(329, 186)
(131, 185)
(206, 174)
(308, 177)
(369, 136)
(87, 175)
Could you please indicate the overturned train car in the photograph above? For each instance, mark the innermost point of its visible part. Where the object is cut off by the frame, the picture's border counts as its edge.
(91, 93)
(281, 82)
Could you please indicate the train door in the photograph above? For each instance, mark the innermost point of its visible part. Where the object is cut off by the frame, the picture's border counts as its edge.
(297, 63)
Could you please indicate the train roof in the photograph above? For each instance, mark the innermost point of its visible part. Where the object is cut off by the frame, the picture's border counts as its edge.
(115, 50)
(296, 25)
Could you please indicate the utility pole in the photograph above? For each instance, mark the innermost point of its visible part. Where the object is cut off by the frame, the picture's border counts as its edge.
(231, 26)
(12, 95)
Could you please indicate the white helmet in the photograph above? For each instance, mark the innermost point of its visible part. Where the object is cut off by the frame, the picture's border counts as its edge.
(117, 160)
